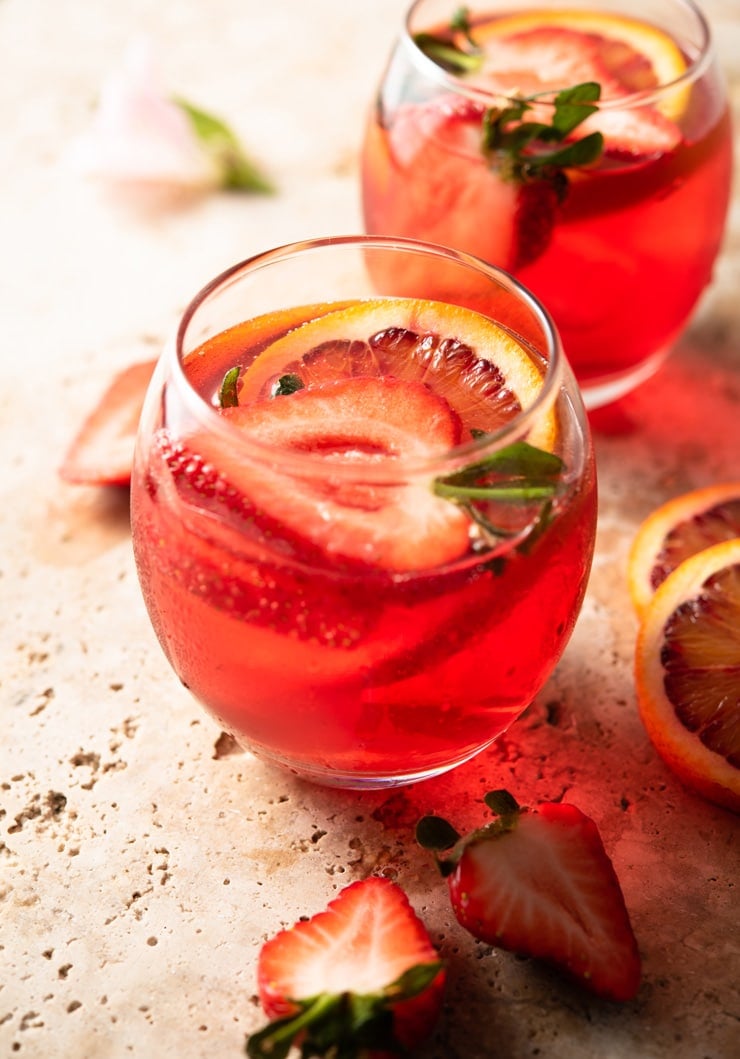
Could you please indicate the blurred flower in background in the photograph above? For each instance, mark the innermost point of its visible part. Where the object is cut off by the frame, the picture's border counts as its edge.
(142, 137)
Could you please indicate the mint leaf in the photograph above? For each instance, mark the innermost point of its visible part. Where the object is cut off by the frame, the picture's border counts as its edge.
(442, 49)
(579, 153)
(227, 395)
(573, 105)
(522, 150)
(237, 171)
(520, 472)
(286, 384)
(460, 22)
(447, 54)
(515, 478)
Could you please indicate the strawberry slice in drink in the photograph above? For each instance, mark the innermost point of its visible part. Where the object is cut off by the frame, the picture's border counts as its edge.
(381, 387)
(360, 978)
(352, 425)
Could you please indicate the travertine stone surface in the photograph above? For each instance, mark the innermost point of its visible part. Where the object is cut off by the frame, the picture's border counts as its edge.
(142, 863)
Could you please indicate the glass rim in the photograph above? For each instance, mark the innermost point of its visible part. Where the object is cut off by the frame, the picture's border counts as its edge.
(444, 462)
(694, 70)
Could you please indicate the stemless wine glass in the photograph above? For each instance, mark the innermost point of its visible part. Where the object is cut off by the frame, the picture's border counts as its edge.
(363, 519)
(487, 135)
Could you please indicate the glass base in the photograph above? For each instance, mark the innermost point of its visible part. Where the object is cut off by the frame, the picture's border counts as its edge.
(609, 388)
(362, 781)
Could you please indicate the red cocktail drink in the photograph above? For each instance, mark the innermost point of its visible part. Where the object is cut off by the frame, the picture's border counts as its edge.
(618, 239)
(363, 527)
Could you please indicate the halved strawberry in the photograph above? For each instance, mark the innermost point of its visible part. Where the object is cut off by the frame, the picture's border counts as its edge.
(102, 452)
(396, 525)
(360, 978)
(539, 882)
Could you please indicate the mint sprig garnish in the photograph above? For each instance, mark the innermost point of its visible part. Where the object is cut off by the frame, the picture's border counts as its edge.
(442, 48)
(534, 150)
(521, 150)
(519, 475)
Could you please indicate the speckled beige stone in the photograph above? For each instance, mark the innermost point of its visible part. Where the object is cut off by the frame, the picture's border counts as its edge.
(141, 862)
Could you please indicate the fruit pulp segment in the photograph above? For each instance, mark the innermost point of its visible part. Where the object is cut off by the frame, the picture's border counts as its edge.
(344, 666)
(620, 262)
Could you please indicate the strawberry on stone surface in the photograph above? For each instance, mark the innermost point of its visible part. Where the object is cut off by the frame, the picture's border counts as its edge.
(360, 979)
(539, 882)
(102, 451)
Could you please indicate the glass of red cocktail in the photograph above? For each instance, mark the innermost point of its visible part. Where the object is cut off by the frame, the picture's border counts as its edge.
(583, 145)
(363, 519)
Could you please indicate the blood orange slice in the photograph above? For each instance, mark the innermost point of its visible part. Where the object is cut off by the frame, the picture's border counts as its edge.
(687, 672)
(482, 371)
(536, 50)
(677, 530)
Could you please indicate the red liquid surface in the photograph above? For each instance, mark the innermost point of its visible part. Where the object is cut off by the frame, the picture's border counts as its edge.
(633, 243)
(343, 669)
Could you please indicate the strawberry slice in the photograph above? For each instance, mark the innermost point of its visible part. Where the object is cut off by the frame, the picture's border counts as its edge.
(539, 883)
(640, 133)
(546, 58)
(353, 422)
(361, 977)
(103, 450)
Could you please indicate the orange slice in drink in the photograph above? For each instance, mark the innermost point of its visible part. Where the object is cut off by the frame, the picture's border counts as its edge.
(687, 672)
(249, 335)
(536, 50)
(677, 530)
(486, 376)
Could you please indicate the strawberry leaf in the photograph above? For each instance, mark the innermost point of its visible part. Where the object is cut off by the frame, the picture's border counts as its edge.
(436, 833)
(460, 21)
(342, 1025)
(501, 802)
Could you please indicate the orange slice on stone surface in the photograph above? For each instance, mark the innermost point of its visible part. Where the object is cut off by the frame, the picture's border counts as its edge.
(687, 672)
(677, 530)
(535, 50)
(486, 375)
